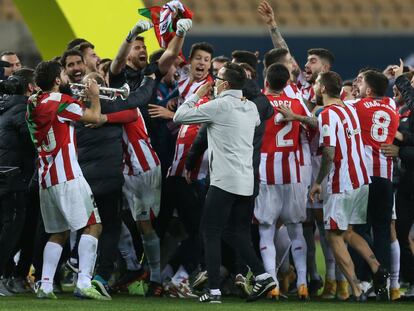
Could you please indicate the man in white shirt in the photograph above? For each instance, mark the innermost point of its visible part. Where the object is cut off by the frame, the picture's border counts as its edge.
(231, 121)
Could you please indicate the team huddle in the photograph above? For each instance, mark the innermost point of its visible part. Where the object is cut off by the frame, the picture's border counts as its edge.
(321, 153)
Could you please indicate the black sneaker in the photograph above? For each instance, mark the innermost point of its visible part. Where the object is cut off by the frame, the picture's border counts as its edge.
(361, 298)
(261, 288)
(207, 297)
(314, 286)
(154, 290)
(380, 279)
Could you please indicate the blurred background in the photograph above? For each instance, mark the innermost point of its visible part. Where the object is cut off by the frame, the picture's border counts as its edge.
(360, 33)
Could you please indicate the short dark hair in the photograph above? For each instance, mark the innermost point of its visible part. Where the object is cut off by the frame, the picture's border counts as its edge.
(377, 81)
(25, 77)
(203, 46)
(235, 75)
(364, 69)
(247, 67)
(332, 82)
(241, 56)
(220, 59)
(83, 46)
(72, 52)
(323, 54)
(274, 56)
(71, 44)
(6, 53)
(140, 38)
(156, 55)
(409, 75)
(45, 74)
(277, 75)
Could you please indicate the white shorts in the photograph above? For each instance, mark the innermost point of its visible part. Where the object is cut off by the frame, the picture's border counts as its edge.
(347, 208)
(286, 202)
(68, 206)
(142, 194)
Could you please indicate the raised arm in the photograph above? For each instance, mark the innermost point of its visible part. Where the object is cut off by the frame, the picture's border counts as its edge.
(266, 12)
(174, 47)
(120, 59)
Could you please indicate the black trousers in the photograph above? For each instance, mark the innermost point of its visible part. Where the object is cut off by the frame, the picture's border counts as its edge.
(109, 207)
(379, 213)
(188, 200)
(26, 241)
(12, 217)
(228, 215)
(405, 218)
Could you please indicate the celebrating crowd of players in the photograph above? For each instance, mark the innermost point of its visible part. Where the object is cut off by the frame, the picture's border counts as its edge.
(329, 155)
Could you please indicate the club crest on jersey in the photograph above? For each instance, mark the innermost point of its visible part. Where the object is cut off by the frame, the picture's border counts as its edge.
(325, 130)
(351, 133)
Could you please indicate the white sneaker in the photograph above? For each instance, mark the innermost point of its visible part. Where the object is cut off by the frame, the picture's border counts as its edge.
(410, 291)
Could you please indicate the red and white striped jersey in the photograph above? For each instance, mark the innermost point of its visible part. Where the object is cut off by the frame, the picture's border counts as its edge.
(306, 89)
(185, 139)
(139, 156)
(379, 123)
(304, 155)
(279, 162)
(339, 127)
(51, 118)
(186, 88)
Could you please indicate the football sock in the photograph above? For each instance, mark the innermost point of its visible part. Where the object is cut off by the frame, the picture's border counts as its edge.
(267, 249)
(51, 256)
(88, 246)
(298, 251)
(127, 249)
(327, 253)
(151, 244)
(395, 264)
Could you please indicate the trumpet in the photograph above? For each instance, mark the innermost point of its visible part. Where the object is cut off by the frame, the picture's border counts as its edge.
(108, 93)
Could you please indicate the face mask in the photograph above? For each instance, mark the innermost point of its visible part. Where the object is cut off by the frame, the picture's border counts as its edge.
(215, 89)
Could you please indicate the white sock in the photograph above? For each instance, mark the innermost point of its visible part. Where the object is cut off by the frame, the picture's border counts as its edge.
(87, 257)
(267, 249)
(395, 264)
(167, 272)
(327, 253)
(51, 256)
(215, 292)
(127, 249)
(339, 276)
(282, 243)
(298, 251)
(180, 275)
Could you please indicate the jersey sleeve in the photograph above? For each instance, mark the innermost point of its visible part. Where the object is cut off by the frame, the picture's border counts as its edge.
(69, 112)
(327, 126)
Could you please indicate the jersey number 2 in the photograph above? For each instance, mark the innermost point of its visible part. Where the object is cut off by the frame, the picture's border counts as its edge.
(281, 141)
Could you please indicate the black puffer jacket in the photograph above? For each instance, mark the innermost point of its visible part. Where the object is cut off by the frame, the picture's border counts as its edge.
(100, 153)
(16, 147)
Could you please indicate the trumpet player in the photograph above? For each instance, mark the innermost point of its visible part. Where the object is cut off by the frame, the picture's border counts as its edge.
(66, 199)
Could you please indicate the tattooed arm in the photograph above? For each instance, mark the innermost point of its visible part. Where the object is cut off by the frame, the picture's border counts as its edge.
(266, 12)
(289, 115)
(328, 154)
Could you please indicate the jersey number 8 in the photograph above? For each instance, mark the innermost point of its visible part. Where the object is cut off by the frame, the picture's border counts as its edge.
(380, 122)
